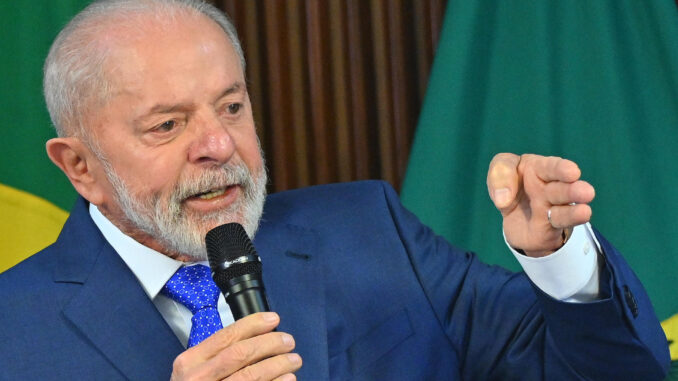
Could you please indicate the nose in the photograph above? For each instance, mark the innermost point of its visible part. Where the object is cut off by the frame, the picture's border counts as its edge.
(212, 144)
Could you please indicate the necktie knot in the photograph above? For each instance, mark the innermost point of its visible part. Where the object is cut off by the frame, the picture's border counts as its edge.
(193, 287)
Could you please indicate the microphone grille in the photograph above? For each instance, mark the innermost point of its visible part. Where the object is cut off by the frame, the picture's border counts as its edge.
(228, 242)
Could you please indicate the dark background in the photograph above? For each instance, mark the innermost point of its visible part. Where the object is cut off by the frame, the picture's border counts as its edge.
(336, 85)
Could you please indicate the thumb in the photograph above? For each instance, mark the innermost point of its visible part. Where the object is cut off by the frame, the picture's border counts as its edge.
(503, 181)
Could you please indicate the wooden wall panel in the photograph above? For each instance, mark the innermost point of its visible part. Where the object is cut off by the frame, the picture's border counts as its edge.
(336, 85)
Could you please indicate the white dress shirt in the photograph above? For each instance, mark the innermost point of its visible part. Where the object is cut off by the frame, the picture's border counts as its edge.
(153, 270)
(569, 274)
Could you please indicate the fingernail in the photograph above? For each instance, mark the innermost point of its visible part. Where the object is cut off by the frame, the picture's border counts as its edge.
(294, 358)
(501, 196)
(270, 316)
(287, 339)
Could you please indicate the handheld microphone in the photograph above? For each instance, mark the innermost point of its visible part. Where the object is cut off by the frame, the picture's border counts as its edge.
(236, 269)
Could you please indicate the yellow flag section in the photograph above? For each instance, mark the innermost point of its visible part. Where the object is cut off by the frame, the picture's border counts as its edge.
(670, 326)
(27, 224)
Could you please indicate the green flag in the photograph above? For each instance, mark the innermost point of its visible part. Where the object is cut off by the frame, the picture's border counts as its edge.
(592, 81)
(27, 177)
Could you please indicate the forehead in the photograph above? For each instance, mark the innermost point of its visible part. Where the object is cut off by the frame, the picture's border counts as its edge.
(149, 49)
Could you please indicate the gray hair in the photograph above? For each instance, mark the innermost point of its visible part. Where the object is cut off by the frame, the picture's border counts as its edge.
(74, 76)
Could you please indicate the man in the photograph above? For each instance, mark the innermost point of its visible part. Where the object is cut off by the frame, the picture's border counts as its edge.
(156, 134)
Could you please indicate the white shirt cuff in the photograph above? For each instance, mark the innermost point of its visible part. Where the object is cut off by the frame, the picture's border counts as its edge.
(570, 273)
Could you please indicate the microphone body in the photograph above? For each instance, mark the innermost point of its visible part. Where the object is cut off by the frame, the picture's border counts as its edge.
(246, 296)
(236, 269)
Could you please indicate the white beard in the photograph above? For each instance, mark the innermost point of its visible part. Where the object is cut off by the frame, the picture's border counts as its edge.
(177, 231)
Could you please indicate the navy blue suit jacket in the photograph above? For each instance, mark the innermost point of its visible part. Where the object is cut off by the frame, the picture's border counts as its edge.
(368, 292)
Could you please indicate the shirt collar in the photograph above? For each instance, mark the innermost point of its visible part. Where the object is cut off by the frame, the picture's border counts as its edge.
(152, 268)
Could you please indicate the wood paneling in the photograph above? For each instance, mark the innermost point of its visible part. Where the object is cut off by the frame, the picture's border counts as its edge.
(336, 85)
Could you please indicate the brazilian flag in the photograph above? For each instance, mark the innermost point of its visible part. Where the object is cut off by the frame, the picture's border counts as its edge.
(34, 194)
(593, 81)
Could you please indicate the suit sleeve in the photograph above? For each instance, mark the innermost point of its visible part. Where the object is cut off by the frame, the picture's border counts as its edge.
(504, 327)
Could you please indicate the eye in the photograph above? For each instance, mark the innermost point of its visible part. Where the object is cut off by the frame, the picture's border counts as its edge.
(166, 126)
(233, 108)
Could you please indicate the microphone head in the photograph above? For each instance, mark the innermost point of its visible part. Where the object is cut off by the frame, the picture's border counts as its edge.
(228, 242)
(225, 244)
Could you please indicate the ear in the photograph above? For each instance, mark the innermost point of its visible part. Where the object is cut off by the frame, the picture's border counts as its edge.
(80, 165)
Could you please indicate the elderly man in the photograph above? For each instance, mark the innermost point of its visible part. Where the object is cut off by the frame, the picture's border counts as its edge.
(156, 134)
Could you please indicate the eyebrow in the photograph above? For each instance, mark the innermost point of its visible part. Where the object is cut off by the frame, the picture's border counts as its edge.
(235, 88)
(170, 108)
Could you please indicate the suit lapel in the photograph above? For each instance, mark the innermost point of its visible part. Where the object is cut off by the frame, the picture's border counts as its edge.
(293, 278)
(111, 309)
(114, 314)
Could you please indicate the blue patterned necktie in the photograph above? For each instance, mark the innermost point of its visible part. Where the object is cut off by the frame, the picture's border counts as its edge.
(193, 287)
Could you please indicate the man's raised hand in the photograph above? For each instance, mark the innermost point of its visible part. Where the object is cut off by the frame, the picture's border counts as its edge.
(245, 350)
(524, 189)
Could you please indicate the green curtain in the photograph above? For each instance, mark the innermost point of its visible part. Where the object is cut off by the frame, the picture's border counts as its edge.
(28, 29)
(593, 81)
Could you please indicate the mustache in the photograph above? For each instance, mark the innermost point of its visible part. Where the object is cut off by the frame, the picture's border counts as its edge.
(228, 174)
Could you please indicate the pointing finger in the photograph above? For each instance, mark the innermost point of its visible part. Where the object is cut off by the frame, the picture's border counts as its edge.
(560, 193)
(567, 216)
(503, 180)
(554, 168)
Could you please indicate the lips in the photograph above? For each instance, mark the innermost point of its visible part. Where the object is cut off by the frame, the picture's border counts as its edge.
(213, 199)
(211, 194)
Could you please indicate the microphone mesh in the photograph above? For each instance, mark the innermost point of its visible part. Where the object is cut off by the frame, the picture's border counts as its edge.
(226, 243)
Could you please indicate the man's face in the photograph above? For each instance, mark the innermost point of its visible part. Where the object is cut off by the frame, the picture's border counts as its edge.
(178, 145)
